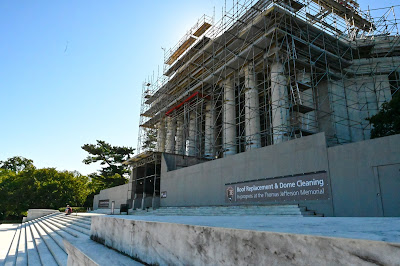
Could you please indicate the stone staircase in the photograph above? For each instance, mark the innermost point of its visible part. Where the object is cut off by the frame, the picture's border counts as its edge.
(41, 241)
(272, 210)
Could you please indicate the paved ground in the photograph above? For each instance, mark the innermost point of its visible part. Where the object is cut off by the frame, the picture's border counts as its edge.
(7, 232)
(374, 228)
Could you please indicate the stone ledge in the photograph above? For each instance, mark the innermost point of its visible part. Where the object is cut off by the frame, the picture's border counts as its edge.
(179, 244)
(90, 253)
(37, 213)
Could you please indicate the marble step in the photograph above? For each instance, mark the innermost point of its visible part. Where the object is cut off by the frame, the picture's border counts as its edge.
(32, 251)
(236, 207)
(71, 226)
(60, 232)
(45, 256)
(53, 234)
(224, 213)
(231, 211)
(11, 257)
(62, 228)
(68, 218)
(208, 214)
(230, 208)
(41, 241)
(201, 213)
(22, 257)
(59, 254)
(84, 220)
(88, 252)
(271, 210)
(73, 221)
(67, 222)
(76, 216)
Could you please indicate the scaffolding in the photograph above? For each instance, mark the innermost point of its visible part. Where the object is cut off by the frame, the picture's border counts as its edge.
(270, 71)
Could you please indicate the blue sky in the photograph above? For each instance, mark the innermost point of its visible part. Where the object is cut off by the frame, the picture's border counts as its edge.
(71, 71)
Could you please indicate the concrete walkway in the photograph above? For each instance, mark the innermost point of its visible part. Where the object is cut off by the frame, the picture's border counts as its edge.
(369, 228)
(7, 232)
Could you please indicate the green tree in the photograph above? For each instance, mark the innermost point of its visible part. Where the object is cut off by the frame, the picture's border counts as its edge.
(56, 189)
(113, 172)
(17, 164)
(7, 185)
(31, 188)
(387, 121)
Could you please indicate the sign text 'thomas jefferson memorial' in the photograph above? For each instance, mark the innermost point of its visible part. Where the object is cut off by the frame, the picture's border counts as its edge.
(313, 186)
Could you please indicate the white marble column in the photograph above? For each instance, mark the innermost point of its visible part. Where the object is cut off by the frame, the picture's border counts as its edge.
(161, 136)
(171, 131)
(252, 112)
(279, 102)
(209, 130)
(179, 136)
(192, 134)
(229, 118)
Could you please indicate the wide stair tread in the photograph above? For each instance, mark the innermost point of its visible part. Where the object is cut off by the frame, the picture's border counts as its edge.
(22, 258)
(73, 222)
(11, 257)
(45, 256)
(66, 222)
(53, 234)
(72, 226)
(58, 253)
(60, 231)
(99, 254)
(32, 250)
(80, 219)
(64, 230)
(272, 210)
(41, 241)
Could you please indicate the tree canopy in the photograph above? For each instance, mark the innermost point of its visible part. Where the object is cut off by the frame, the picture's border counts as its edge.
(17, 164)
(23, 188)
(387, 121)
(113, 172)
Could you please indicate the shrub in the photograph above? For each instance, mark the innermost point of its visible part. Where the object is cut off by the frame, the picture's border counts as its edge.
(75, 209)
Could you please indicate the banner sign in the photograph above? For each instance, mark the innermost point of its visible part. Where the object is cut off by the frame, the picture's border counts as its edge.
(313, 186)
(104, 203)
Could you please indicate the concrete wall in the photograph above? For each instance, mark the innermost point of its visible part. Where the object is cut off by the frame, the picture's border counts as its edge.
(204, 184)
(356, 185)
(118, 194)
(364, 176)
(159, 243)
